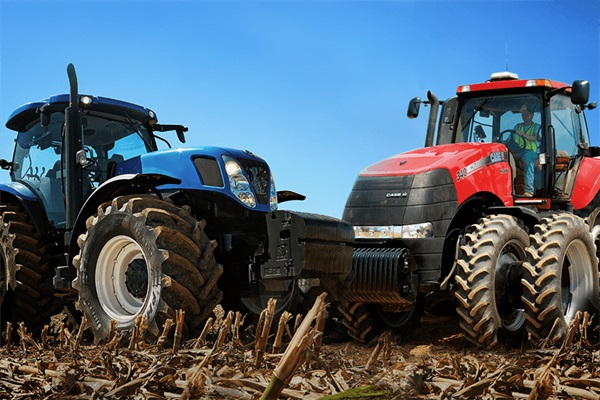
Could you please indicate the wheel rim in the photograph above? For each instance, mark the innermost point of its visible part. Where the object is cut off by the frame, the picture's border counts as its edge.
(576, 284)
(507, 291)
(121, 258)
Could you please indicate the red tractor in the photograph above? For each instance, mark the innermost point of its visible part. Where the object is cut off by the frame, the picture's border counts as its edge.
(497, 215)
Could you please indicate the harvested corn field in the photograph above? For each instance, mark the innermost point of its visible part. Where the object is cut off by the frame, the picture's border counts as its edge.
(291, 360)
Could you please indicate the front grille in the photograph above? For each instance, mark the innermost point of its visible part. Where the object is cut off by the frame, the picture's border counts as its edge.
(403, 200)
(258, 172)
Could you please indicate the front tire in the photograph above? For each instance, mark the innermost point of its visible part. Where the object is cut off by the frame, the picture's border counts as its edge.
(488, 279)
(561, 275)
(144, 256)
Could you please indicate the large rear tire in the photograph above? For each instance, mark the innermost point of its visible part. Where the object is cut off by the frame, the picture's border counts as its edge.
(561, 275)
(145, 256)
(488, 279)
(27, 291)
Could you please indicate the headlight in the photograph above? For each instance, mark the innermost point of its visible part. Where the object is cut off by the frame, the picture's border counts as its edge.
(238, 183)
(272, 195)
(414, 231)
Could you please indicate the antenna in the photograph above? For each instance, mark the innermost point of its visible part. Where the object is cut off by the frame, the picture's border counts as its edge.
(506, 55)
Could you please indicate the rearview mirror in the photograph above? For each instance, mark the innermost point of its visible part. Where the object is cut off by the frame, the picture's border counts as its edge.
(580, 92)
(413, 108)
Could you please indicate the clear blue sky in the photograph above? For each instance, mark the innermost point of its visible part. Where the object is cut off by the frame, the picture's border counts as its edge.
(317, 88)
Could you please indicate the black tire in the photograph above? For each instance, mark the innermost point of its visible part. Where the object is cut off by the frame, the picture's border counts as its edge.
(359, 321)
(145, 256)
(27, 290)
(488, 280)
(561, 275)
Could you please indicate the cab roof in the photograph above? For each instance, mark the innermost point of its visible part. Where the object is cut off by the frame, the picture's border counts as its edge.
(508, 80)
(24, 115)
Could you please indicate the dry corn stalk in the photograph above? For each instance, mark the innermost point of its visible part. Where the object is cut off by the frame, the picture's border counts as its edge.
(543, 387)
(45, 336)
(179, 321)
(261, 341)
(225, 328)
(79, 337)
(162, 339)
(202, 338)
(236, 325)
(320, 326)
(295, 353)
(283, 320)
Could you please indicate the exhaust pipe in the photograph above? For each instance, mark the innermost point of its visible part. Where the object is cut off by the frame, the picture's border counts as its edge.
(72, 143)
(435, 104)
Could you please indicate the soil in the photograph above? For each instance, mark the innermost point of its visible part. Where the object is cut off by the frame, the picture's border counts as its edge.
(437, 362)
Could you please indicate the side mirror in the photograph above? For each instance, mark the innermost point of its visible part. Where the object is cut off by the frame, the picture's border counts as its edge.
(5, 164)
(413, 108)
(580, 92)
(45, 119)
(180, 134)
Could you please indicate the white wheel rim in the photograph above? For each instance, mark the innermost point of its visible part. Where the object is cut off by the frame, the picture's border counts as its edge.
(113, 295)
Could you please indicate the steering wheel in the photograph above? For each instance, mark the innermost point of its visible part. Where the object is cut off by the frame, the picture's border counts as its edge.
(501, 138)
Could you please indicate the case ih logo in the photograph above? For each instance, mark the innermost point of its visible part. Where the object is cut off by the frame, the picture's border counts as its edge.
(493, 158)
(392, 195)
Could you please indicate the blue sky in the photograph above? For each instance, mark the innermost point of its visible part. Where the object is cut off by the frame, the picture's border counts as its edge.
(317, 88)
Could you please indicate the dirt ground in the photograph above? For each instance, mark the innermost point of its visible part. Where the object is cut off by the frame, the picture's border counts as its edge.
(436, 363)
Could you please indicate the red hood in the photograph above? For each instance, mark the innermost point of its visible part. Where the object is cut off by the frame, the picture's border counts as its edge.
(449, 156)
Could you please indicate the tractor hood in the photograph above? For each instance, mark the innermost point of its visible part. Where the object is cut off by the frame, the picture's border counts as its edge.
(209, 169)
(452, 157)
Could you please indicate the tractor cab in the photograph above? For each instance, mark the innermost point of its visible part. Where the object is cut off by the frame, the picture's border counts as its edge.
(541, 123)
(112, 131)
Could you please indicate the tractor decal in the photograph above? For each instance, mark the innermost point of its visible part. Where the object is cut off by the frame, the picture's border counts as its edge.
(493, 158)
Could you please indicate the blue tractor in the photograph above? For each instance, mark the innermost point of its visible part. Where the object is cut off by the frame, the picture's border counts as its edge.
(95, 215)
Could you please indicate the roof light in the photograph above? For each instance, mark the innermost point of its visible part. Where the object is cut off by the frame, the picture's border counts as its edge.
(464, 89)
(500, 76)
(86, 100)
(538, 82)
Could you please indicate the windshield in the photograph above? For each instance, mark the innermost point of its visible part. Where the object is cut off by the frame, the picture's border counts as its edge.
(494, 118)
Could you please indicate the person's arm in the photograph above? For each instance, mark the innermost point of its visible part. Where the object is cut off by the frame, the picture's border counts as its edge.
(531, 138)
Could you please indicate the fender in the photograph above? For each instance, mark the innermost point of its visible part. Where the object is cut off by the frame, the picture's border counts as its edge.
(32, 205)
(527, 215)
(587, 184)
(117, 186)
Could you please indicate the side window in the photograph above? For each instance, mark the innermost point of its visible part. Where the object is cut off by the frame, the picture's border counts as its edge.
(37, 163)
(38, 150)
(568, 125)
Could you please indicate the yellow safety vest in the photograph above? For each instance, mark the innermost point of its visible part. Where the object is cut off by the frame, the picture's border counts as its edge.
(524, 143)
